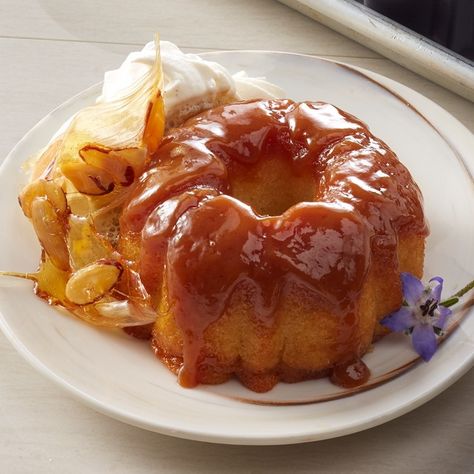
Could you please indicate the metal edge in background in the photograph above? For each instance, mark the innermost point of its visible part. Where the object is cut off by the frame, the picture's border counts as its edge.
(392, 40)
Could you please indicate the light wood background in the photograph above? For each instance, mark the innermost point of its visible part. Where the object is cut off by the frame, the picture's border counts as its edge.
(52, 49)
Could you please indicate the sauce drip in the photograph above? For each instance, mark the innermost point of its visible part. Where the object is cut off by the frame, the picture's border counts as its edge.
(211, 217)
(351, 374)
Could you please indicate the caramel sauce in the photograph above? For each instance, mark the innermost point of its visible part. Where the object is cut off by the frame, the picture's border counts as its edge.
(351, 374)
(207, 235)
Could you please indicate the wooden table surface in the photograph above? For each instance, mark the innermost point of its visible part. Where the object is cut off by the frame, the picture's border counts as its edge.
(52, 49)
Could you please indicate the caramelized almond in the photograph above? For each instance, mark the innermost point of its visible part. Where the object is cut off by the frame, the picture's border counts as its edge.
(113, 162)
(43, 188)
(49, 228)
(126, 313)
(88, 179)
(92, 282)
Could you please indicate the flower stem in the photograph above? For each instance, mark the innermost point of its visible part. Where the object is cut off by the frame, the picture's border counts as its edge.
(449, 302)
(452, 300)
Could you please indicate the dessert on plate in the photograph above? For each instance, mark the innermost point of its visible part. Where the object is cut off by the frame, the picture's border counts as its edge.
(243, 233)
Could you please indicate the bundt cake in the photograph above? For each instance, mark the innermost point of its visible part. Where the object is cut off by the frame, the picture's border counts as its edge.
(271, 235)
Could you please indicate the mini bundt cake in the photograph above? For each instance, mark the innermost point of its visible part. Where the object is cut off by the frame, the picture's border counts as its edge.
(271, 236)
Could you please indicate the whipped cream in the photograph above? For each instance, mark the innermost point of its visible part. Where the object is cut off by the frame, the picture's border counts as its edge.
(191, 83)
(255, 87)
(187, 77)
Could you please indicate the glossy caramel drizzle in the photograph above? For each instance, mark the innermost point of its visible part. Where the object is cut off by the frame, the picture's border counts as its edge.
(205, 243)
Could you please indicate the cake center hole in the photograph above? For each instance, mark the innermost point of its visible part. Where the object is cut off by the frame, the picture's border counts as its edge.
(271, 186)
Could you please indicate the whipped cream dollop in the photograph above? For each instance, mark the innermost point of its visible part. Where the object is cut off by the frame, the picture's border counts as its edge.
(191, 83)
(255, 87)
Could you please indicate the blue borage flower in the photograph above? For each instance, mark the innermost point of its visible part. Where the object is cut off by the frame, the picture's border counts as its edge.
(423, 314)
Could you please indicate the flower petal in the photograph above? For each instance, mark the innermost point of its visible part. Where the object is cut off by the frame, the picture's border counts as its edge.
(412, 288)
(437, 289)
(424, 341)
(444, 314)
(400, 320)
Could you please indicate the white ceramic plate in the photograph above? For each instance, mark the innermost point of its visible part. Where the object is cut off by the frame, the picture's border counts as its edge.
(119, 376)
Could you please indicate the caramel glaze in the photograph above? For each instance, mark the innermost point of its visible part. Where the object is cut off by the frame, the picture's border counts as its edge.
(205, 243)
(350, 374)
